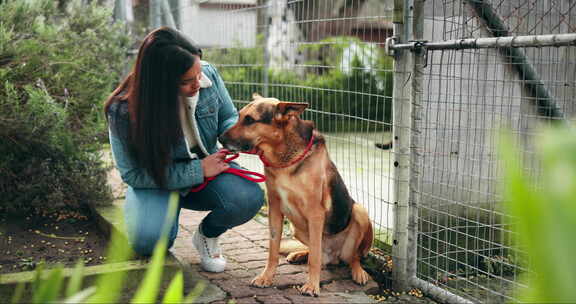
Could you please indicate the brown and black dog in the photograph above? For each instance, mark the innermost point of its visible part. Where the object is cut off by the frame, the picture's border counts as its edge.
(304, 185)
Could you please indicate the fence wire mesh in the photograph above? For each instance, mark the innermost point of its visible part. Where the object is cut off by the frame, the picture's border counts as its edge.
(330, 54)
(464, 239)
(326, 53)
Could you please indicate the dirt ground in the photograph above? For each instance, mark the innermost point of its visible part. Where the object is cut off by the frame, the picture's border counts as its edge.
(65, 237)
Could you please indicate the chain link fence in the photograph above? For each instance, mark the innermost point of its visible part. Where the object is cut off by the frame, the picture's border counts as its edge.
(410, 95)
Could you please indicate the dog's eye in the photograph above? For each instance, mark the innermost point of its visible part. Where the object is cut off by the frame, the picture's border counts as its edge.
(248, 120)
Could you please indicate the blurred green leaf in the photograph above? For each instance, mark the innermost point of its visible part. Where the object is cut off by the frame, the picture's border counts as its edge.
(109, 285)
(175, 290)
(148, 290)
(18, 293)
(195, 293)
(38, 275)
(49, 288)
(75, 281)
(81, 296)
(544, 213)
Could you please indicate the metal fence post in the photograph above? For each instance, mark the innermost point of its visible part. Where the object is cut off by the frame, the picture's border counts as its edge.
(167, 13)
(123, 11)
(401, 126)
(408, 67)
(155, 14)
(418, 63)
(267, 22)
(176, 11)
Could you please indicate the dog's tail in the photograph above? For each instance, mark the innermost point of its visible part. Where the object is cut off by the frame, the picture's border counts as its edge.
(384, 146)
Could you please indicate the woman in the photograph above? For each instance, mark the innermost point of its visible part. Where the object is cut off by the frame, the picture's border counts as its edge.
(164, 121)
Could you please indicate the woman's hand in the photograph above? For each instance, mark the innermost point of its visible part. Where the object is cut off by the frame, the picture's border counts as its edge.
(214, 164)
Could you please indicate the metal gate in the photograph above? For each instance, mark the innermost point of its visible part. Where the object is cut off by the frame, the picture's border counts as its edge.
(463, 70)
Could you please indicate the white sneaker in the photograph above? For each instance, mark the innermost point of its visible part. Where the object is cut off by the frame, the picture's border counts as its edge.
(211, 258)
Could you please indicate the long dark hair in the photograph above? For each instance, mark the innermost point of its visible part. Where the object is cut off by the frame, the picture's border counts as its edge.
(151, 91)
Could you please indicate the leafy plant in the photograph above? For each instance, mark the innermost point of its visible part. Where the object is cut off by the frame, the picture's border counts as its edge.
(56, 69)
(545, 214)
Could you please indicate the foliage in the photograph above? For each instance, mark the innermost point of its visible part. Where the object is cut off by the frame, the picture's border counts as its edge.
(344, 93)
(545, 214)
(51, 286)
(56, 68)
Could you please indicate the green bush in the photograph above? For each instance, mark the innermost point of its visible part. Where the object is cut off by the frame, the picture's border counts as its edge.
(359, 100)
(56, 69)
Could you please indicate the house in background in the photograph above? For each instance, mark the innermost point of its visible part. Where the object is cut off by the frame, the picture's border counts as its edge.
(209, 23)
(286, 25)
(219, 23)
(297, 23)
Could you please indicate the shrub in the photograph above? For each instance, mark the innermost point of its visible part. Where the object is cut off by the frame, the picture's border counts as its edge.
(351, 98)
(55, 72)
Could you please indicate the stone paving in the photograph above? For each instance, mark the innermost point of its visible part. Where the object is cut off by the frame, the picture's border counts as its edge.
(245, 248)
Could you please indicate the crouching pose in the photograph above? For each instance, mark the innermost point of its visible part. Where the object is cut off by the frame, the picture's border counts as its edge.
(164, 121)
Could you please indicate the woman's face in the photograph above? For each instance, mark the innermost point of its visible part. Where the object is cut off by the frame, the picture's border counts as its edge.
(190, 81)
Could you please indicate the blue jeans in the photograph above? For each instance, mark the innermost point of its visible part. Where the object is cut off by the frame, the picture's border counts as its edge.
(233, 201)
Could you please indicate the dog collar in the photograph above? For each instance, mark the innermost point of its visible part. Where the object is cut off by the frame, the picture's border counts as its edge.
(299, 158)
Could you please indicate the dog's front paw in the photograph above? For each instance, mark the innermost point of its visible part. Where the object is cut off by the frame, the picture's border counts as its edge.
(261, 281)
(310, 289)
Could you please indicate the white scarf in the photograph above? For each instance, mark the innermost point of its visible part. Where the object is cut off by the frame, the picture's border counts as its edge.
(188, 119)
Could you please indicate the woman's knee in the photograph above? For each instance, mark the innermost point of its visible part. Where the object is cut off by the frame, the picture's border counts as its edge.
(145, 234)
(251, 194)
(257, 200)
(144, 243)
(145, 218)
(249, 202)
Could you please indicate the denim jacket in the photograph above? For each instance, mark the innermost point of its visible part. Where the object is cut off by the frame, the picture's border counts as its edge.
(215, 113)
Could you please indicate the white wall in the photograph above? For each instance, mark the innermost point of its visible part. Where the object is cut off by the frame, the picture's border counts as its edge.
(216, 27)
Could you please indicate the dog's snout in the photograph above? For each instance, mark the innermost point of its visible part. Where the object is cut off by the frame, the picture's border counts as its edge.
(235, 143)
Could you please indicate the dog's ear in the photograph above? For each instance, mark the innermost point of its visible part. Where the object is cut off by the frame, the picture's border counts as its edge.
(256, 96)
(286, 109)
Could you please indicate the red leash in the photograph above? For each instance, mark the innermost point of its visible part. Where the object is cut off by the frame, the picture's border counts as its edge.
(249, 175)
